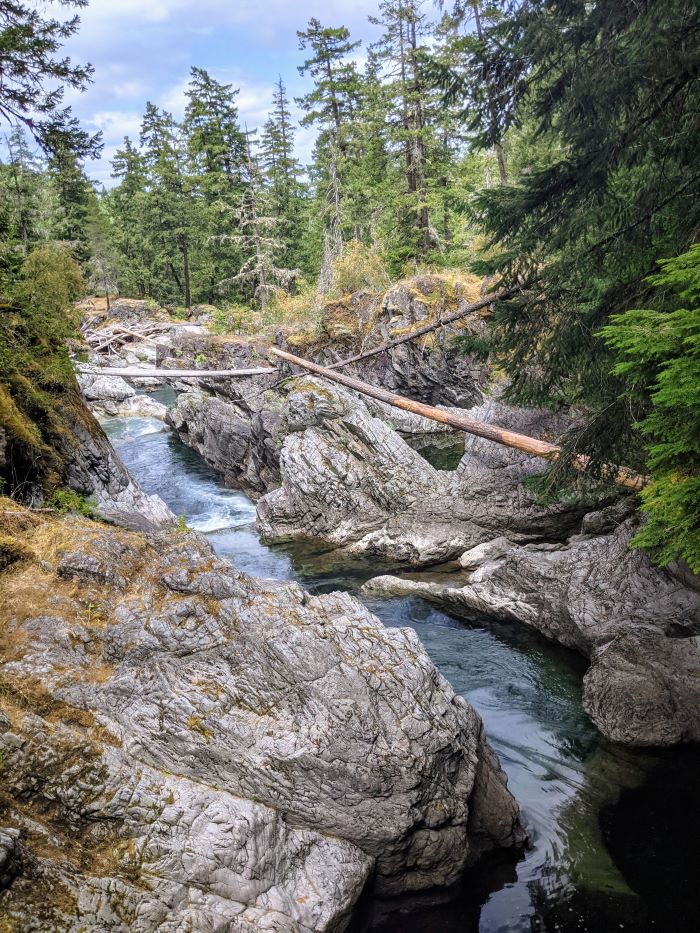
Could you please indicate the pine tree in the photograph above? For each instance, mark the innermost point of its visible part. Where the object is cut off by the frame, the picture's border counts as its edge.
(34, 78)
(578, 236)
(258, 237)
(74, 194)
(283, 176)
(126, 207)
(331, 105)
(217, 153)
(169, 205)
(405, 29)
(24, 180)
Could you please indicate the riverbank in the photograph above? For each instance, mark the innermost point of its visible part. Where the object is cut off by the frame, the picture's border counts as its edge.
(582, 798)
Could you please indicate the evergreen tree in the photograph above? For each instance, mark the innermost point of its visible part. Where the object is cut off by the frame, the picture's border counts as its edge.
(126, 206)
(405, 26)
(331, 105)
(659, 362)
(578, 236)
(217, 153)
(170, 213)
(34, 78)
(74, 195)
(258, 237)
(23, 180)
(283, 176)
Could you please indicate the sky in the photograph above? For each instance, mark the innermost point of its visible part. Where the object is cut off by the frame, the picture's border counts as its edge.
(143, 50)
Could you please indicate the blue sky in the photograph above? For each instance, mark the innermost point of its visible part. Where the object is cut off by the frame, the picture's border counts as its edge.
(143, 50)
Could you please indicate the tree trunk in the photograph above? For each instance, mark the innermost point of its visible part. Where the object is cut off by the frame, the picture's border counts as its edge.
(528, 445)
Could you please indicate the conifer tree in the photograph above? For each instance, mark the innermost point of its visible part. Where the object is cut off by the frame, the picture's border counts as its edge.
(34, 77)
(24, 181)
(258, 236)
(217, 159)
(331, 105)
(283, 175)
(578, 236)
(405, 30)
(126, 206)
(169, 205)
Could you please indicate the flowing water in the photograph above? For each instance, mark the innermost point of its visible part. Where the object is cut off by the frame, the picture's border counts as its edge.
(614, 834)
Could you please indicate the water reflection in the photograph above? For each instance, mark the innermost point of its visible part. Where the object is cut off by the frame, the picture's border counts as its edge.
(592, 865)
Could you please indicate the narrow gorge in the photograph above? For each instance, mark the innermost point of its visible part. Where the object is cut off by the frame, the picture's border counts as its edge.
(227, 676)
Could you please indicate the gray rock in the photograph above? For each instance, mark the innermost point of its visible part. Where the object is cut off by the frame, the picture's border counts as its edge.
(351, 480)
(636, 623)
(98, 388)
(214, 752)
(239, 442)
(93, 469)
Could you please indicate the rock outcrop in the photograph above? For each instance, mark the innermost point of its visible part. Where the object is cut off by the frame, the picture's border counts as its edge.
(239, 439)
(112, 395)
(637, 624)
(185, 747)
(349, 478)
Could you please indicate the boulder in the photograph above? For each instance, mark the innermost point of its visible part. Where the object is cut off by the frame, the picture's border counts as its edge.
(99, 388)
(112, 396)
(200, 750)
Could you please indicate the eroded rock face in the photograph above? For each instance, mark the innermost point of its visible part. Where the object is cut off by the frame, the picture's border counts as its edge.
(93, 469)
(185, 747)
(637, 624)
(239, 441)
(112, 395)
(349, 478)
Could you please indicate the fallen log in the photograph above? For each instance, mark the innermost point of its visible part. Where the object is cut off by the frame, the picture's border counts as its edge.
(448, 319)
(522, 442)
(134, 372)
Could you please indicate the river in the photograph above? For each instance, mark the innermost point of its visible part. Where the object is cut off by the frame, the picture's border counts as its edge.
(615, 834)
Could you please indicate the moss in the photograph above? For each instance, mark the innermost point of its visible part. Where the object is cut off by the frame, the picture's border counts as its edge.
(195, 724)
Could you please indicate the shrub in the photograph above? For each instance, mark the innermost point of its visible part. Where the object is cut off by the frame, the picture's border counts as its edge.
(66, 500)
(230, 320)
(51, 282)
(659, 356)
(359, 268)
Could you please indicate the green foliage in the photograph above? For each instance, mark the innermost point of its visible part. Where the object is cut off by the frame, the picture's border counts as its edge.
(229, 320)
(182, 527)
(50, 283)
(359, 268)
(66, 501)
(31, 67)
(578, 230)
(659, 360)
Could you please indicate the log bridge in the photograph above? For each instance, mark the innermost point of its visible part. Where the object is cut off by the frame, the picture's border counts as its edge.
(136, 372)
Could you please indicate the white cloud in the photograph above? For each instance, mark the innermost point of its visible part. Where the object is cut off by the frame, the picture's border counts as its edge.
(144, 49)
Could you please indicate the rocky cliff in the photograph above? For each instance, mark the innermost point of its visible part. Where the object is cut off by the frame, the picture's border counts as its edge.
(185, 747)
(567, 570)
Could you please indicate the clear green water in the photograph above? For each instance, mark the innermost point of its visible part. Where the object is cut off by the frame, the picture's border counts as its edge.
(615, 834)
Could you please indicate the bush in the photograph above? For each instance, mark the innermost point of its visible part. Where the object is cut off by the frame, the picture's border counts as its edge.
(229, 320)
(51, 282)
(359, 268)
(659, 355)
(65, 501)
